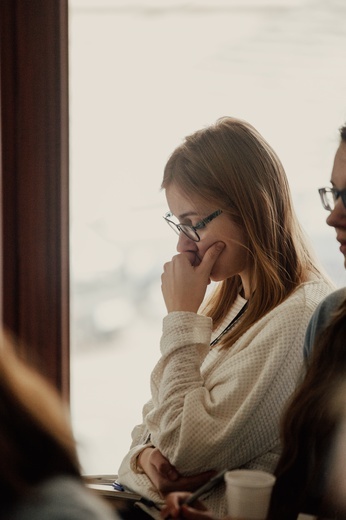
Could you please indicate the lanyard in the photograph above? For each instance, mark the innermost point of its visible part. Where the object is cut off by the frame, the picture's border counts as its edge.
(230, 325)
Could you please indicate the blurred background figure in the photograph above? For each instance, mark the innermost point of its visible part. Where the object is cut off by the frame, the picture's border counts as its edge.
(39, 471)
(336, 484)
(309, 431)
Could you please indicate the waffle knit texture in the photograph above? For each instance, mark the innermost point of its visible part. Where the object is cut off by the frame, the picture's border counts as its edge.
(220, 408)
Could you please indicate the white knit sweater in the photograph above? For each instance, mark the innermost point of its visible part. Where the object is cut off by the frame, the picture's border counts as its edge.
(217, 409)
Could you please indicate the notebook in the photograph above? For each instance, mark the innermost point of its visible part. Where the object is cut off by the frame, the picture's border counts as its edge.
(121, 500)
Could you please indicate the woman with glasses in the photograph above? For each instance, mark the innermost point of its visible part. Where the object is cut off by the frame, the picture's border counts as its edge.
(228, 362)
(310, 423)
(311, 475)
(333, 200)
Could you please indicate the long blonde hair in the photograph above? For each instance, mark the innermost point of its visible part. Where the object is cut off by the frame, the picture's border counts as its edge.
(230, 165)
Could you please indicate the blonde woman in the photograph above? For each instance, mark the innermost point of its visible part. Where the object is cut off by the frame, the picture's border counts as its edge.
(228, 364)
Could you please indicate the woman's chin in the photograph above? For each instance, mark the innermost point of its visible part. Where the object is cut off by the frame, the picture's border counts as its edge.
(214, 277)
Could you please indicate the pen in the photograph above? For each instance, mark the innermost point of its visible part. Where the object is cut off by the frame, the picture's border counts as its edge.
(117, 486)
(217, 479)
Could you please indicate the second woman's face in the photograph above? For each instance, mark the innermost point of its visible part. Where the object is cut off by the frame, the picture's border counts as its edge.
(337, 217)
(233, 260)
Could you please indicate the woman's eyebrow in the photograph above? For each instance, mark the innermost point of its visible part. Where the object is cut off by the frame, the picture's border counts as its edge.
(188, 214)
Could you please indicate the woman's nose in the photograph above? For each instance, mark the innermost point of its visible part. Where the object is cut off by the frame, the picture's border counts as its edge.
(337, 216)
(186, 244)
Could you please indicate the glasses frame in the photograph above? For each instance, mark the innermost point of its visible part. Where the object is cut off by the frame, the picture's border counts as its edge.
(335, 193)
(186, 229)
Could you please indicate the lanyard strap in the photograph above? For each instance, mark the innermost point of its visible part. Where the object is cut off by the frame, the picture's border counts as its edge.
(230, 325)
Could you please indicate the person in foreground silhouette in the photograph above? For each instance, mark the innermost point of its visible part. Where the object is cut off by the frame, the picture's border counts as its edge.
(40, 475)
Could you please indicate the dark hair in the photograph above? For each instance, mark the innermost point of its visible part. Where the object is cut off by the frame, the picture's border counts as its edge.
(309, 427)
(36, 440)
(343, 132)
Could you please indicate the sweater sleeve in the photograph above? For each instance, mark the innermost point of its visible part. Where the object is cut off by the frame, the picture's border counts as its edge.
(212, 422)
(228, 414)
(199, 333)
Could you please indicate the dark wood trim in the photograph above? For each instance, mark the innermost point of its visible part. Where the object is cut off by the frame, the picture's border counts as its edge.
(34, 178)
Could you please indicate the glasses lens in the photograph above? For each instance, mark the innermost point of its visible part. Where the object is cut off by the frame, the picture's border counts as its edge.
(177, 228)
(189, 232)
(328, 198)
(172, 226)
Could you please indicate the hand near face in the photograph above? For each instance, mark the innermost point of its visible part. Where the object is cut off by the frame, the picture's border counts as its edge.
(174, 508)
(184, 285)
(165, 477)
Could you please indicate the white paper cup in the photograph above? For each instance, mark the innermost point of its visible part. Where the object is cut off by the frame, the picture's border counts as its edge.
(248, 493)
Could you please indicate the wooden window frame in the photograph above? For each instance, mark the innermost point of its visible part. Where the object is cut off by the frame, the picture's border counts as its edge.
(34, 161)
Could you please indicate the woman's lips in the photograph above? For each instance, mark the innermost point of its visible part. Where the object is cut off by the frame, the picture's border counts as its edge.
(342, 240)
(197, 261)
(194, 258)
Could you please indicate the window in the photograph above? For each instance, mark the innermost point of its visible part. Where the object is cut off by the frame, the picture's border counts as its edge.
(142, 76)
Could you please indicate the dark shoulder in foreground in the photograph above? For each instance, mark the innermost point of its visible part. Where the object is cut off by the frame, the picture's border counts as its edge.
(62, 498)
(321, 318)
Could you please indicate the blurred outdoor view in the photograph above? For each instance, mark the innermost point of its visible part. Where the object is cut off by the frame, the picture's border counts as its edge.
(144, 74)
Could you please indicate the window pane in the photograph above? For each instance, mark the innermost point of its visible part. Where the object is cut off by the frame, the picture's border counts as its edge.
(142, 76)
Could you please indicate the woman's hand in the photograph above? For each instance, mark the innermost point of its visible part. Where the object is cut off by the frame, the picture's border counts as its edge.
(157, 467)
(165, 477)
(175, 508)
(183, 285)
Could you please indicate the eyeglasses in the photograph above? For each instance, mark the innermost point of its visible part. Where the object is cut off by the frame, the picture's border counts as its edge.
(190, 231)
(329, 196)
